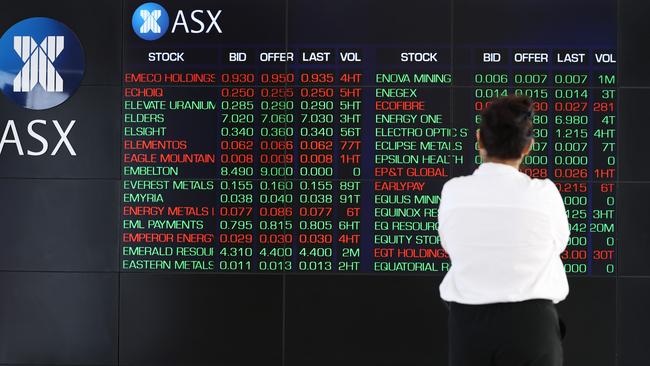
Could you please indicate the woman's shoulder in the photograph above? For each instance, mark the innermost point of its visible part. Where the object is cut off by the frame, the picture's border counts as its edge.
(544, 184)
(465, 181)
(456, 182)
(546, 189)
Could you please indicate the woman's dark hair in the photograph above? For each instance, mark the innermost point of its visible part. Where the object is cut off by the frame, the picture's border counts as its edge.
(506, 126)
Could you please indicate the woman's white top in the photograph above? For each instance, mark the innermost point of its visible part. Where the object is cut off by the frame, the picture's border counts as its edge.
(504, 233)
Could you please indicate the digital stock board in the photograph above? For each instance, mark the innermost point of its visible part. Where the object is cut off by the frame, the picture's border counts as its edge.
(273, 141)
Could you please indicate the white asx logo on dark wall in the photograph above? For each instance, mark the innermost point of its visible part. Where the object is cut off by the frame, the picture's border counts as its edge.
(38, 67)
(41, 63)
(150, 21)
(41, 66)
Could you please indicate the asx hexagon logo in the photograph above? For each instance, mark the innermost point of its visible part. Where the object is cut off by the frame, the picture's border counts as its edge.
(41, 63)
(150, 21)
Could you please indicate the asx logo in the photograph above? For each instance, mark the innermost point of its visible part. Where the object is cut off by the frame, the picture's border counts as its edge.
(41, 63)
(150, 21)
(38, 67)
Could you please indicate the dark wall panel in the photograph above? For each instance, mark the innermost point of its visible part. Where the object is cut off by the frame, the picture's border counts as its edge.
(58, 318)
(371, 21)
(200, 319)
(634, 321)
(364, 320)
(400, 320)
(633, 135)
(589, 313)
(633, 43)
(634, 242)
(58, 225)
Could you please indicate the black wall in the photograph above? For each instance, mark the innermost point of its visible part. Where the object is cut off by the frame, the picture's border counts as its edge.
(64, 302)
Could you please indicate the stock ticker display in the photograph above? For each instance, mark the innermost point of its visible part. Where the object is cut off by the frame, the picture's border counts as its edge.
(272, 141)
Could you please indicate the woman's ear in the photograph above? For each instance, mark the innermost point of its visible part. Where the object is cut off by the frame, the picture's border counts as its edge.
(478, 138)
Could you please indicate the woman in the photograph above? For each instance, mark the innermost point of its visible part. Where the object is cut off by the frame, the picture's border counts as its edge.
(504, 233)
